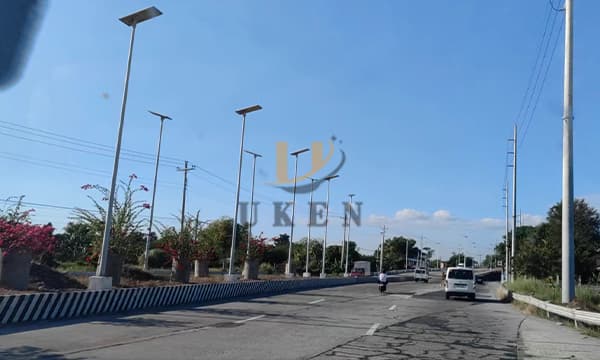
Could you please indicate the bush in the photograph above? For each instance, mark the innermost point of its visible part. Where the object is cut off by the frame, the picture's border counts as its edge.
(157, 258)
(266, 268)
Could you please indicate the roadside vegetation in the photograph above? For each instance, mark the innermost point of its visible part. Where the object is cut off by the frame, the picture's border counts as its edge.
(587, 297)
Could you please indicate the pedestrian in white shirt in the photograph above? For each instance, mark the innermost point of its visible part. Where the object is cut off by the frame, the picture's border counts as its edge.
(382, 282)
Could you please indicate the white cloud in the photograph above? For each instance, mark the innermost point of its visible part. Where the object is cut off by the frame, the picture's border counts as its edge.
(492, 222)
(532, 220)
(410, 214)
(443, 215)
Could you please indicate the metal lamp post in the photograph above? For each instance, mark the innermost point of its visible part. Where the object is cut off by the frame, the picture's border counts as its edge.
(323, 273)
(102, 280)
(306, 272)
(230, 276)
(288, 270)
(348, 241)
(162, 120)
(254, 155)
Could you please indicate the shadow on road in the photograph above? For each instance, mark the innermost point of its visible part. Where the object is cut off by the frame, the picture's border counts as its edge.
(31, 352)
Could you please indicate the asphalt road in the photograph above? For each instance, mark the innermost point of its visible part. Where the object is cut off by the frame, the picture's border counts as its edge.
(413, 321)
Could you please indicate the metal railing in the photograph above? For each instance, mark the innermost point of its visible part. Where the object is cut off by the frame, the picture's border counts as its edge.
(586, 317)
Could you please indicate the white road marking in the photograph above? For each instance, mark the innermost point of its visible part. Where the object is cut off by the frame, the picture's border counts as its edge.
(372, 330)
(249, 319)
(392, 308)
(316, 301)
(402, 296)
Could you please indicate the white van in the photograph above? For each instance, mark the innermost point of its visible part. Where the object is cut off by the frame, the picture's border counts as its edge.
(421, 274)
(460, 281)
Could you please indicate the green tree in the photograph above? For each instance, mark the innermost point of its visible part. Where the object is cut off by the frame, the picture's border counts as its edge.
(394, 252)
(219, 233)
(587, 237)
(73, 243)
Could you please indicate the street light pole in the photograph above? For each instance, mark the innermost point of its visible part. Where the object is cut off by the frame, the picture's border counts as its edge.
(102, 280)
(254, 155)
(288, 270)
(514, 204)
(348, 242)
(323, 273)
(306, 273)
(568, 211)
(381, 251)
(162, 120)
(230, 276)
(406, 255)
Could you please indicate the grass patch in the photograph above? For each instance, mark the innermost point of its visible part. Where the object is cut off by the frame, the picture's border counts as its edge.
(75, 266)
(586, 298)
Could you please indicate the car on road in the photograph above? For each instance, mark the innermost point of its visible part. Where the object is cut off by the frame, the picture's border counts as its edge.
(421, 274)
(357, 273)
(460, 281)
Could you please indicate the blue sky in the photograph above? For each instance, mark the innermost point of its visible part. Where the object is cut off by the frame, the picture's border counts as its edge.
(421, 97)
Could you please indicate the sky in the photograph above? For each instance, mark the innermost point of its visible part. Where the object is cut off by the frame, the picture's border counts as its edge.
(420, 97)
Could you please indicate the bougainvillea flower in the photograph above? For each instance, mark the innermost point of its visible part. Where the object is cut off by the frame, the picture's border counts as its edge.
(146, 206)
(142, 187)
(133, 176)
(86, 186)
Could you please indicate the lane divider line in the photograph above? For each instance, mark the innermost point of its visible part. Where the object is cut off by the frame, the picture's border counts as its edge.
(372, 330)
(392, 308)
(316, 301)
(249, 319)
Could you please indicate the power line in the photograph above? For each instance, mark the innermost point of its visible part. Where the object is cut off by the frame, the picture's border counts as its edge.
(537, 100)
(535, 65)
(89, 147)
(70, 168)
(62, 207)
(525, 117)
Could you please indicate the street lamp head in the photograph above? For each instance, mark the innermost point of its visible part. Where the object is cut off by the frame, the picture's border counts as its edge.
(161, 116)
(352, 195)
(298, 152)
(253, 153)
(330, 177)
(140, 16)
(249, 109)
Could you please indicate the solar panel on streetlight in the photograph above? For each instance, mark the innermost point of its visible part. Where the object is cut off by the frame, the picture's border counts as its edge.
(140, 16)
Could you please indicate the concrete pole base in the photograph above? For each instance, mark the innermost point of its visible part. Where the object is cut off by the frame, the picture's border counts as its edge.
(306, 275)
(231, 278)
(346, 275)
(322, 275)
(99, 283)
(289, 275)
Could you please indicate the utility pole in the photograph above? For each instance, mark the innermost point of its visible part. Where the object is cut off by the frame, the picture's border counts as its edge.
(406, 255)
(348, 244)
(185, 171)
(196, 226)
(381, 250)
(506, 243)
(514, 206)
(568, 211)
(344, 240)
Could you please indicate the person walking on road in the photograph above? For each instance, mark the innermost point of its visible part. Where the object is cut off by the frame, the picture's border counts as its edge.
(382, 282)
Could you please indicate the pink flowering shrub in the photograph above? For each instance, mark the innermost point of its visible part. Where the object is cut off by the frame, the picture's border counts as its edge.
(17, 234)
(128, 224)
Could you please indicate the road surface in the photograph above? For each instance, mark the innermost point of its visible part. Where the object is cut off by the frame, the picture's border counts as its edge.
(413, 321)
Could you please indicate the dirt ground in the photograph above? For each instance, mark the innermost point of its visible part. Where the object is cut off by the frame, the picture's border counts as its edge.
(46, 279)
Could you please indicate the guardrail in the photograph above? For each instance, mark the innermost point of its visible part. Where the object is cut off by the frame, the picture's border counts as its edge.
(586, 317)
